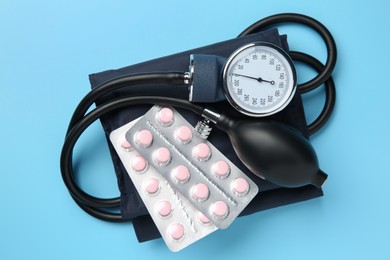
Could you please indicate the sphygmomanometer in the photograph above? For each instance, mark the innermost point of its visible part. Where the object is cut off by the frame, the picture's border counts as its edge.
(246, 88)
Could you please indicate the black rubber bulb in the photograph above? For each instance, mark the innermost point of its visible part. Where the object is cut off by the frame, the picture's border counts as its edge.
(274, 151)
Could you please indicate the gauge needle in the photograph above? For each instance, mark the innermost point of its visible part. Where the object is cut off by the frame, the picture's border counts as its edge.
(259, 79)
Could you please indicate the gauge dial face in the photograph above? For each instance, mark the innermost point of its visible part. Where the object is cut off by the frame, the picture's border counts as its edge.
(259, 79)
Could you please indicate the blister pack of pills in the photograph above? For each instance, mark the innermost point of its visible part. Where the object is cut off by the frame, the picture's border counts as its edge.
(192, 165)
(179, 222)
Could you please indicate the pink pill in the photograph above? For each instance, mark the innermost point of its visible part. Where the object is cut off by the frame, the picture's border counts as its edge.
(162, 156)
(221, 169)
(144, 138)
(176, 231)
(202, 152)
(203, 219)
(138, 163)
(164, 208)
(219, 209)
(151, 185)
(183, 134)
(126, 145)
(240, 186)
(165, 116)
(181, 174)
(200, 192)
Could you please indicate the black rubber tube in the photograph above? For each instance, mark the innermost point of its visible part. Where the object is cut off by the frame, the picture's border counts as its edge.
(92, 204)
(330, 91)
(173, 78)
(107, 87)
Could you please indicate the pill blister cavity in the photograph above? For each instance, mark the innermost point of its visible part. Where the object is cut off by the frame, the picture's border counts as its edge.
(151, 186)
(176, 231)
(143, 138)
(165, 116)
(183, 134)
(164, 208)
(203, 219)
(181, 174)
(200, 192)
(240, 186)
(125, 144)
(221, 169)
(162, 156)
(139, 164)
(219, 209)
(202, 152)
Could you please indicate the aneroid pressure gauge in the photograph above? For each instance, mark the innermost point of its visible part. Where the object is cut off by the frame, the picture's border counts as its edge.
(259, 79)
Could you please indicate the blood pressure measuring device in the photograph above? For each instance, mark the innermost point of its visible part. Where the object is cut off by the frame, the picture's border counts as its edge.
(258, 80)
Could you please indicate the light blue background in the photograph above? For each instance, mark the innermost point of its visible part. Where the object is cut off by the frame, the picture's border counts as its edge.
(47, 49)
